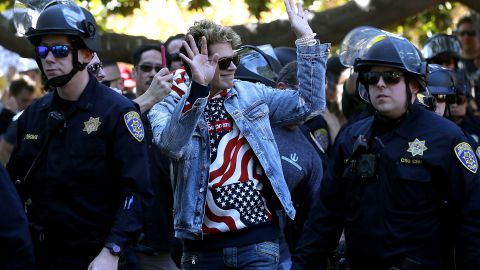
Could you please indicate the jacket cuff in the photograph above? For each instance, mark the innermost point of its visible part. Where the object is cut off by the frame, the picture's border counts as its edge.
(198, 91)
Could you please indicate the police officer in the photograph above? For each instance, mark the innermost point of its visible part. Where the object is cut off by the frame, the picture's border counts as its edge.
(403, 183)
(443, 50)
(80, 158)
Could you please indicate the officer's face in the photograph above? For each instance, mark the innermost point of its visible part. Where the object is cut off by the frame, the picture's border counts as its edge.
(57, 66)
(458, 110)
(223, 78)
(150, 63)
(389, 99)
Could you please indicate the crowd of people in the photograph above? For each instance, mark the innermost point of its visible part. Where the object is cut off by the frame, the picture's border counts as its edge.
(231, 156)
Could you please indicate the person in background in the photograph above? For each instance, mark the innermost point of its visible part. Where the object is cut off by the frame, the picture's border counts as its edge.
(468, 36)
(302, 166)
(113, 78)
(20, 95)
(155, 246)
(172, 47)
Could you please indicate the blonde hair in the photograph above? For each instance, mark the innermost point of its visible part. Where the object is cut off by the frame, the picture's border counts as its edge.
(214, 33)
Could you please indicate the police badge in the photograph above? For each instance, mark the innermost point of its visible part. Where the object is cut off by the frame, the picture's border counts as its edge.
(134, 125)
(466, 156)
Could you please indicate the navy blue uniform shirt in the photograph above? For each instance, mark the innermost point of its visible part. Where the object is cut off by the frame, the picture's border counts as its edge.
(400, 212)
(16, 251)
(91, 183)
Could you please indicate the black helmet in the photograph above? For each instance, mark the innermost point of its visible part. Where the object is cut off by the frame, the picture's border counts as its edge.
(440, 80)
(392, 52)
(256, 66)
(441, 45)
(285, 55)
(66, 19)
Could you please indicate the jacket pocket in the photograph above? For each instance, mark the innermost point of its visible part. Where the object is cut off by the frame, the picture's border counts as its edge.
(258, 117)
(411, 189)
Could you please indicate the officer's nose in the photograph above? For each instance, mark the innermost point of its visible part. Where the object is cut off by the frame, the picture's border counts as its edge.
(381, 82)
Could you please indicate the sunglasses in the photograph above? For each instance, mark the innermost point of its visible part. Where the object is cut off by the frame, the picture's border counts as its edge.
(95, 68)
(224, 63)
(389, 77)
(451, 99)
(469, 33)
(58, 51)
(149, 67)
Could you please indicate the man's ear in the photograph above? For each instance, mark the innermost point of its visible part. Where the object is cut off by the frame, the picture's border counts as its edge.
(281, 85)
(414, 87)
(86, 56)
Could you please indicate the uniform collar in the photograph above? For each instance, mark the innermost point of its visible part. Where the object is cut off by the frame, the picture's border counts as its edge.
(85, 101)
(406, 125)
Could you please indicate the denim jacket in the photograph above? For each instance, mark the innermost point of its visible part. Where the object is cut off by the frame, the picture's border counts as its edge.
(183, 136)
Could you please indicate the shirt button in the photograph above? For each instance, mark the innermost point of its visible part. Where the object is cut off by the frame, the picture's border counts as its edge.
(201, 190)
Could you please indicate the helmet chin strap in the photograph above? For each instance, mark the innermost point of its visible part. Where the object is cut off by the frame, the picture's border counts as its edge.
(61, 80)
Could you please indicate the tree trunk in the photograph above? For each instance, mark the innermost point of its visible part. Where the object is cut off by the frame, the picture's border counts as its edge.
(330, 25)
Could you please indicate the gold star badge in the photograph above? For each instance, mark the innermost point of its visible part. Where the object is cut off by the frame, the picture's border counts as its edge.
(92, 124)
(416, 147)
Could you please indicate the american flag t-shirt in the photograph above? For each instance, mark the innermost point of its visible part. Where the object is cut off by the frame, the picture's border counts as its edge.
(234, 194)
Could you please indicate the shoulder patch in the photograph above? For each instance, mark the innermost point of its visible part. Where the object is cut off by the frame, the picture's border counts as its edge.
(134, 125)
(467, 157)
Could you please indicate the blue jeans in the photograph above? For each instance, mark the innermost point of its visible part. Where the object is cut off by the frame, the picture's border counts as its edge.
(263, 255)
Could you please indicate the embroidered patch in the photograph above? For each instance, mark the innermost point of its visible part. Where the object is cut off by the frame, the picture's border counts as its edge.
(134, 125)
(466, 156)
(321, 136)
(92, 124)
(416, 147)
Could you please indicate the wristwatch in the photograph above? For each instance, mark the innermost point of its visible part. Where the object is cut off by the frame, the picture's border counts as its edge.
(114, 249)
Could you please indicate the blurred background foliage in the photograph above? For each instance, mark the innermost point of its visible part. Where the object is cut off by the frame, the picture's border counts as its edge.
(159, 19)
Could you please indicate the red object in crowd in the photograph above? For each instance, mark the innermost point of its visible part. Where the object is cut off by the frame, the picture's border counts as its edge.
(128, 81)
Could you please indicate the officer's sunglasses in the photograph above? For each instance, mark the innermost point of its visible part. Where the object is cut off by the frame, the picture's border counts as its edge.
(450, 99)
(149, 67)
(224, 62)
(469, 33)
(389, 77)
(58, 51)
(95, 68)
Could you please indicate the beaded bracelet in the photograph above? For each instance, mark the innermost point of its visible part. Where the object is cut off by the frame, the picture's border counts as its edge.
(303, 39)
(306, 41)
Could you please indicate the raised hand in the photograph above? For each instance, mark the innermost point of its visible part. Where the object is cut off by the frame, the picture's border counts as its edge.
(298, 19)
(202, 68)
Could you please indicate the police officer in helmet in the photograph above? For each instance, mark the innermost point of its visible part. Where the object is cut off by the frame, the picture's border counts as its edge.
(80, 160)
(403, 184)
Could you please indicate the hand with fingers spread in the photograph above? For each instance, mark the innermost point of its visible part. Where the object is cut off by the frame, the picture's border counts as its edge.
(203, 69)
(298, 19)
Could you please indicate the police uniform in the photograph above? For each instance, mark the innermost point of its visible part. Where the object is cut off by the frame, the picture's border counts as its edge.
(405, 209)
(91, 181)
(16, 251)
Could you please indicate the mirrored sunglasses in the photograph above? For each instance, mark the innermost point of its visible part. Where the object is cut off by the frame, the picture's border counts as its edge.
(224, 63)
(389, 77)
(58, 51)
(95, 68)
(149, 68)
